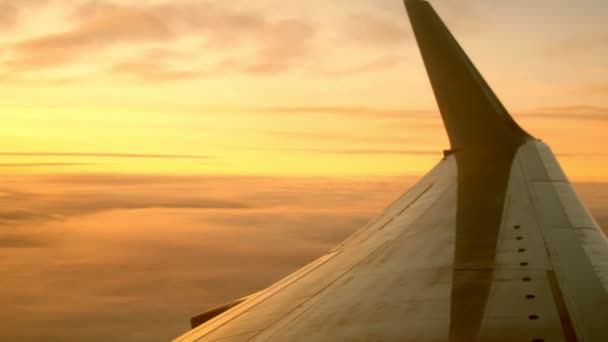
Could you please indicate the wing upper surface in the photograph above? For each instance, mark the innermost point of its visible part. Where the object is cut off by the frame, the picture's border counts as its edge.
(332, 276)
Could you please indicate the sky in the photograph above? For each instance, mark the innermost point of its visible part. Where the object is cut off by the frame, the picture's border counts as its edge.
(278, 88)
(163, 157)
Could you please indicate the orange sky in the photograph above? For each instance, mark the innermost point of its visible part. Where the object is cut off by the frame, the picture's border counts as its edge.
(163, 157)
(283, 87)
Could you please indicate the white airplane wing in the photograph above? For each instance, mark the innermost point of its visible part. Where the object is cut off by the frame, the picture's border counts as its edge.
(492, 245)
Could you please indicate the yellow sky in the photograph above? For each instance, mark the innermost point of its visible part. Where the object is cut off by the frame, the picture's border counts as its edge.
(282, 88)
(124, 123)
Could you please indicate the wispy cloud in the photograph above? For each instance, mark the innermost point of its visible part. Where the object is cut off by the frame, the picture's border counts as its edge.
(255, 43)
(370, 28)
(154, 71)
(379, 64)
(8, 165)
(8, 14)
(346, 151)
(577, 45)
(233, 39)
(581, 112)
(595, 88)
(134, 259)
(22, 214)
(103, 155)
(86, 194)
(108, 25)
(21, 240)
(351, 111)
(284, 43)
(127, 180)
(74, 201)
(335, 137)
(574, 112)
(11, 11)
(582, 155)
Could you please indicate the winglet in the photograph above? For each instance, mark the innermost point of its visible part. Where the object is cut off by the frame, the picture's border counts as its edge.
(471, 112)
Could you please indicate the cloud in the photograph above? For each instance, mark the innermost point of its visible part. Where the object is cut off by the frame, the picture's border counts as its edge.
(580, 44)
(103, 155)
(84, 194)
(81, 195)
(231, 38)
(2, 165)
(20, 240)
(108, 25)
(581, 112)
(254, 43)
(21, 215)
(307, 136)
(379, 64)
(369, 28)
(8, 15)
(582, 155)
(285, 42)
(351, 111)
(422, 117)
(575, 112)
(595, 88)
(83, 203)
(349, 151)
(154, 71)
(157, 64)
(43, 208)
(277, 43)
(113, 274)
(115, 180)
(10, 11)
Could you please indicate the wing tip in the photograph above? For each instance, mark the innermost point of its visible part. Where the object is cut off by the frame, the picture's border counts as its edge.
(472, 113)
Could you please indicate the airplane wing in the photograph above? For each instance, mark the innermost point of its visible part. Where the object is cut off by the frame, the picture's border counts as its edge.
(492, 245)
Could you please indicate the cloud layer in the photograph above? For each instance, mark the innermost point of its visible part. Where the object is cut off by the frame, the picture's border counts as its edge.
(132, 257)
(103, 155)
(101, 257)
(222, 38)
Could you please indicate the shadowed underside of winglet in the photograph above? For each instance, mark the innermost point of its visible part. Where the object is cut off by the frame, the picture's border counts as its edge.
(472, 114)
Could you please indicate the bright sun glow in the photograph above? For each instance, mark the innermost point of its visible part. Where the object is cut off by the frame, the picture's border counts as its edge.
(277, 88)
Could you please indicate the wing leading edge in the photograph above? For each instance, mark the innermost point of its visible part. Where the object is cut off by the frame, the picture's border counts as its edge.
(492, 245)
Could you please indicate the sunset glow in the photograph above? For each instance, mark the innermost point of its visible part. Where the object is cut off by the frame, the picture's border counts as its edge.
(163, 157)
(282, 88)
